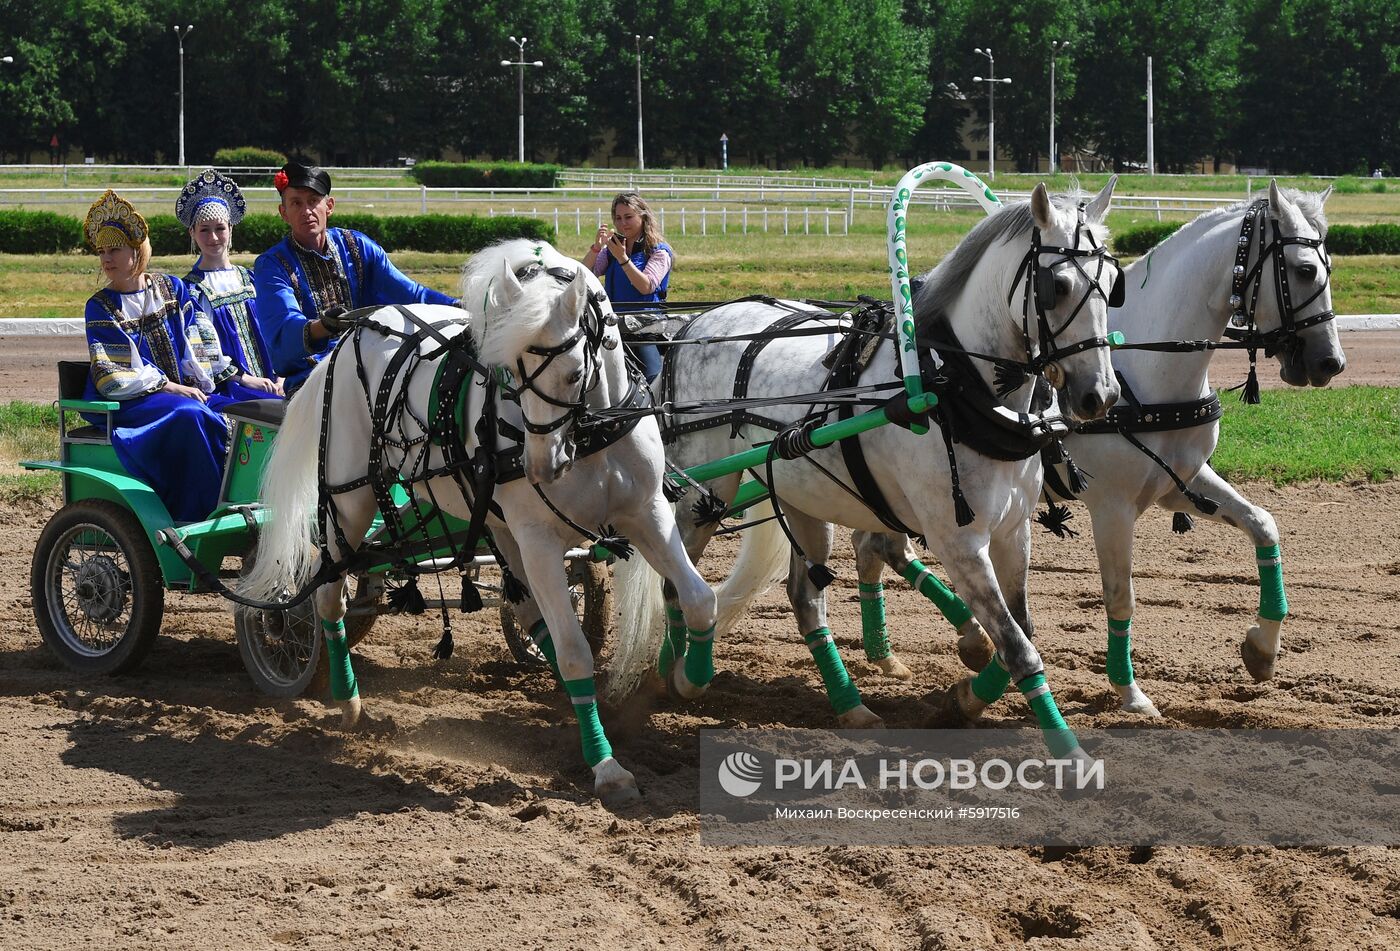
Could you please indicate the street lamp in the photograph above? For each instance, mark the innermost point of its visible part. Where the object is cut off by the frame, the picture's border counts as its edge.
(991, 81)
(7, 59)
(180, 38)
(641, 162)
(520, 44)
(1055, 47)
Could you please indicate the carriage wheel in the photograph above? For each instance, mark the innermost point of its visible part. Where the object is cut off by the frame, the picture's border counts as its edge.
(96, 588)
(282, 649)
(591, 592)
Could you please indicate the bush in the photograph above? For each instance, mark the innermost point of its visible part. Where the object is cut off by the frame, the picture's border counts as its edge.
(485, 174)
(1363, 239)
(168, 236)
(38, 232)
(249, 157)
(1143, 238)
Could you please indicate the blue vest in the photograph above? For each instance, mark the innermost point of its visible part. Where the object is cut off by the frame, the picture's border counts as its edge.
(620, 290)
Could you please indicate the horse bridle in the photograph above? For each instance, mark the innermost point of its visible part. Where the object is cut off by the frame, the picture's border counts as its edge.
(592, 328)
(1040, 295)
(1248, 280)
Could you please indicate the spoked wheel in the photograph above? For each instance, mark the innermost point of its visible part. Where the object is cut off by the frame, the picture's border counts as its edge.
(279, 648)
(96, 588)
(591, 593)
(282, 649)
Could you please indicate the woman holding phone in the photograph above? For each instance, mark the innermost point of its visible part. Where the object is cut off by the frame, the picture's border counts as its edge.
(634, 262)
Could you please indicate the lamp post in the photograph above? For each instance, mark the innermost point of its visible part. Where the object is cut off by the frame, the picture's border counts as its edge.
(641, 162)
(991, 81)
(7, 59)
(1055, 47)
(520, 44)
(180, 38)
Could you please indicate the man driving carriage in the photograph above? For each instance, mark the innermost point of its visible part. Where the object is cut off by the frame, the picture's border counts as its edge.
(307, 282)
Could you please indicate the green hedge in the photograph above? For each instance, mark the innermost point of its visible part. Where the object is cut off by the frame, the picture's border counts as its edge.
(1363, 239)
(249, 157)
(1341, 239)
(485, 174)
(42, 232)
(38, 232)
(1143, 238)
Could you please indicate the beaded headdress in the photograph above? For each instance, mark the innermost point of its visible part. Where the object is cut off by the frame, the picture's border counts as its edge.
(209, 197)
(113, 223)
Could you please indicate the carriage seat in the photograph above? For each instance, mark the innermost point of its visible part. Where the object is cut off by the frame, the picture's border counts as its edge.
(268, 412)
(72, 385)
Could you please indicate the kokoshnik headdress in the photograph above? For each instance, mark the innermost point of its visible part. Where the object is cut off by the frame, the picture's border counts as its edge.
(210, 197)
(113, 223)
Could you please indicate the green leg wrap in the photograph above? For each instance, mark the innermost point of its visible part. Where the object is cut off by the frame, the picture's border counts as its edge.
(839, 690)
(343, 686)
(872, 621)
(596, 747)
(1272, 602)
(674, 644)
(991, 681)
(1058, 735)
(540, 635)
(1120, 651)
(700, 657)
(926, 583)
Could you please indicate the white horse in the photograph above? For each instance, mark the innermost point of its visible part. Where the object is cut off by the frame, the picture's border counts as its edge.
(975, 297)
(1187, 289)
(542, 321)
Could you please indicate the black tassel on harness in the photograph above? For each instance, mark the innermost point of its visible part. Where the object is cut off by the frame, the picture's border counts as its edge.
(443, 649)
(1181, 523)
(407, 599)
(819, 575)
(1076, 478)
(1055, 519)
(616, 544)
(1250, 392)
(674, 492)
(1203, 505)
(961, 509)
(512, 588)
(471, 598)
(709, 509)
(1008, 379)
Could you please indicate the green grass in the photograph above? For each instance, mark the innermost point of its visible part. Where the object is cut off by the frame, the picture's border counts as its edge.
(1338, 435)
(27, 431)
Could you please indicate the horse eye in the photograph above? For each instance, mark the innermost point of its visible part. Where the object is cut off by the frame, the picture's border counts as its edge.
(575, 377)
(1307, 271)
(1062, 287)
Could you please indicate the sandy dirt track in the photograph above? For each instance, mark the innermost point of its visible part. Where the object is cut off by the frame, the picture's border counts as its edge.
(176, 808)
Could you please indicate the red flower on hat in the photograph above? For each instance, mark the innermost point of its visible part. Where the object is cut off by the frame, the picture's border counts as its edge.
(279, 181)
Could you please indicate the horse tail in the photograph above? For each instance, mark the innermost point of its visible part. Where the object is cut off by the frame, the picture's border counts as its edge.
(290, 482)
(641, 625)
(763, 560)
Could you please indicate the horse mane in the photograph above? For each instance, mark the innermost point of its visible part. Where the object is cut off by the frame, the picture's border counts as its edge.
(500, 335)
(946, 282)
(1309, 203)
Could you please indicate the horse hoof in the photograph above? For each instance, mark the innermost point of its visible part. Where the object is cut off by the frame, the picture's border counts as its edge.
(350, 713)
(682, 685)
(1259, 663)
(860, 717)
(969, 706)
(892, 666)
(1135, 701)
(975, 648)
(1084, 766)
(614, 786)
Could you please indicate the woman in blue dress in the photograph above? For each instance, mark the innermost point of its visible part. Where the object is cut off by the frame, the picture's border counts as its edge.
(150, 355)
(210, 206)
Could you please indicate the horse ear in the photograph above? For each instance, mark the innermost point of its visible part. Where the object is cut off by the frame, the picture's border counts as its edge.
(1326, 194)
(1041, 212)
(575, 296)
(510, 285)
(1284, 210)
(1097, 210)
